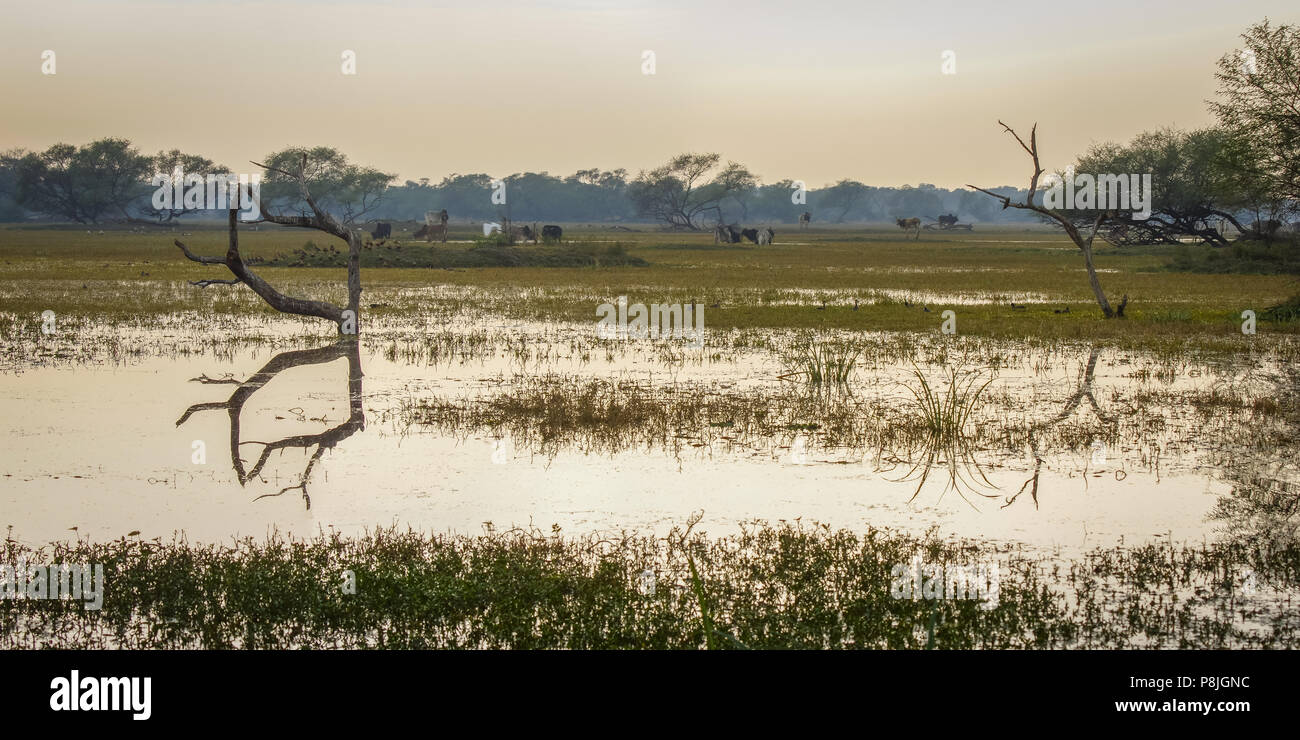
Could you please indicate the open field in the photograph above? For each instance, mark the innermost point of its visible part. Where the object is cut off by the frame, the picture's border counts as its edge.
(130, 276)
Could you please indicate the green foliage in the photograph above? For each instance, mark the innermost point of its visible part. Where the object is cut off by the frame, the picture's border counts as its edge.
(1259, 91)
(1259, 258)
(1286, 311)
(347, 190)
(85, 184)
(770, 586)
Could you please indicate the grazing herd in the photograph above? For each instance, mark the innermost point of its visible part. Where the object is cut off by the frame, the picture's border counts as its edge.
(548, 233)
(729, 234)
(435, 229)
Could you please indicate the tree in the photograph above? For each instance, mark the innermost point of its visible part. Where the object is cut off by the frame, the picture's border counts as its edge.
(736, 183)
(677, 194)
(1259, 102)
(349, 188)
(338, 186)
(84, 184)
(840, 199)
(1084, 243)
(920, 202)
(1199, 186)
(10, 210)
(167, 163)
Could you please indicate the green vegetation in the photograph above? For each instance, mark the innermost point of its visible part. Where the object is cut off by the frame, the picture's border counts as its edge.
(1261, 258)
(777, 586)
(455, 256)
(141, 277)
(820, 361)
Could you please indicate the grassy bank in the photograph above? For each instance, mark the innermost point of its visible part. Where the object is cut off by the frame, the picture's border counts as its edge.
(1024, 284)
(781, 586)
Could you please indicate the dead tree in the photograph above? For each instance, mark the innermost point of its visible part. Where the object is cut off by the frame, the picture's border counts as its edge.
(1083, 243)
(348, 319)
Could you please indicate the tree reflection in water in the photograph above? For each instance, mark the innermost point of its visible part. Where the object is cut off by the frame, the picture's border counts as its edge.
(347, 347)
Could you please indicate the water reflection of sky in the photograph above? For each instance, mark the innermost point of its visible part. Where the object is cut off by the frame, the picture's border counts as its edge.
(98, 448)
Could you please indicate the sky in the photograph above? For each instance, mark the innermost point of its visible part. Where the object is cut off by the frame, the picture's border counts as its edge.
(811, 90)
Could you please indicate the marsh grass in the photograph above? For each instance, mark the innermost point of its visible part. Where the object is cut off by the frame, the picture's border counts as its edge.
(930, 424)
(821, 361)
(121, 276)
(786, 585)
(944, 415)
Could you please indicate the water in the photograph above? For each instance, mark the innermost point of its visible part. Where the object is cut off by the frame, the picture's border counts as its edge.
(97, 447)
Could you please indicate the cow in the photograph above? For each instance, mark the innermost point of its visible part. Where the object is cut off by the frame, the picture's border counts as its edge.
(382, 231)
(522, 233)
(805, 218)
(908, 224)
(429, 232)
(551, 232)
(723, 234)
(765, 236)
(750, 234)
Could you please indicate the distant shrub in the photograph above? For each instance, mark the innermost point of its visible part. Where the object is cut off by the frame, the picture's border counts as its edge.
(490, 251)
(1263, 258)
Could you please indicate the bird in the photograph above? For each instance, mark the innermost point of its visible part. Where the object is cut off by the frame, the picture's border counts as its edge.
(855, 304)
(926, 309)
(907, 303)
(715, 305)
(822, 307)
(1013, 305)
(1062, 310)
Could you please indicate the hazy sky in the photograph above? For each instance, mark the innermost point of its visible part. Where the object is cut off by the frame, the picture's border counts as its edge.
(809, 90)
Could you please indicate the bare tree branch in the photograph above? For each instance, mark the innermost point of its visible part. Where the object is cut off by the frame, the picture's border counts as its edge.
(1083, 243)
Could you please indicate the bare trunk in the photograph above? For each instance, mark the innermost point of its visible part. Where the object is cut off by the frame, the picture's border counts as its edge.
(349, 319)
(1102, 301)
(1083, 243)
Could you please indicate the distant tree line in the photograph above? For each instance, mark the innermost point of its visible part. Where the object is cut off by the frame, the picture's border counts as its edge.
(109, 181)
